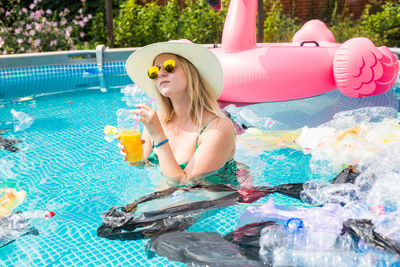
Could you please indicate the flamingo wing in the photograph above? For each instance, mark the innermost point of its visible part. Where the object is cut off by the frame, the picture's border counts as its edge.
(362, 69)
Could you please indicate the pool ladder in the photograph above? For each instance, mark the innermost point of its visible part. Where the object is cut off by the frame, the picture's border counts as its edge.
(98, 70)
(99, 60)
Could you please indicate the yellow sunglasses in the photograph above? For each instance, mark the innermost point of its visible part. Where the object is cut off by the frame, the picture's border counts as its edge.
(168, 65)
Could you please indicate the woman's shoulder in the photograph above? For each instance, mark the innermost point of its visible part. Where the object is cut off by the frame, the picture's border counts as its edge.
(219, 123)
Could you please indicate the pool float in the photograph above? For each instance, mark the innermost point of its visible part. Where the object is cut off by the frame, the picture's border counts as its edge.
(312, 64)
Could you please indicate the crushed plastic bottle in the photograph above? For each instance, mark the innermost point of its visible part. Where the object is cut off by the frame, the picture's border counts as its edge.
(21, 120)
(18, 224)
(247, 118)
(319, 192)
(133, 95)
(294, 245)
(338, 257)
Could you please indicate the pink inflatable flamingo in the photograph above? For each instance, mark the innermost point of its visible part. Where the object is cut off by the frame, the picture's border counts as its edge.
(312, 64)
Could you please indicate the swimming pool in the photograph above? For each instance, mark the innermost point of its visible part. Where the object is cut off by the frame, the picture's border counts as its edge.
(66, 165)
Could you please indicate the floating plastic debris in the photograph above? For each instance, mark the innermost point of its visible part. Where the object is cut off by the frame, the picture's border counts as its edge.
(247, 118)
(27, 98)
(358, 145)
(110, 132)
(108, 129)
(21, 120)
(133, 95)
(18, 224)
(10, 198)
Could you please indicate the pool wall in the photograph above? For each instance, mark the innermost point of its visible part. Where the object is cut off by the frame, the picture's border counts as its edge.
(23, 75)
(29, 74)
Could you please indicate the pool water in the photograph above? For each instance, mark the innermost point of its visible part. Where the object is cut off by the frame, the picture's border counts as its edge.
(66, 165)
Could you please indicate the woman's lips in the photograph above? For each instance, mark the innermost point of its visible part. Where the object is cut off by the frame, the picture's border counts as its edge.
(164, 82)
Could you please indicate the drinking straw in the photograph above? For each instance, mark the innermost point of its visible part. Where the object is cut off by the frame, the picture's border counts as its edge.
(148, 102)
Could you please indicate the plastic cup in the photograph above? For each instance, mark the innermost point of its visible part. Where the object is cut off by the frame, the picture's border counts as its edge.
(133, 148)
(129, 136)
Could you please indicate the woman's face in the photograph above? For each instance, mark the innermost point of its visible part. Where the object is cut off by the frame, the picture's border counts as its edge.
(170, 84)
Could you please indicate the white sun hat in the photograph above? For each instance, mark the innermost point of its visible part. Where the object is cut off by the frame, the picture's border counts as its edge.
(201, 57)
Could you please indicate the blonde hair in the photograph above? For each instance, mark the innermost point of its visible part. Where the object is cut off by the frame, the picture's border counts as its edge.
(200, 96)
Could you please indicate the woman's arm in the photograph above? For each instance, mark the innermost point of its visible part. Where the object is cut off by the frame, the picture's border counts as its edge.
(147, 143)
(216, 146)
(168, 164)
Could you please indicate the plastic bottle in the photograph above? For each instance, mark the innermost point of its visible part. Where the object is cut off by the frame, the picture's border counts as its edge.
(21, 120)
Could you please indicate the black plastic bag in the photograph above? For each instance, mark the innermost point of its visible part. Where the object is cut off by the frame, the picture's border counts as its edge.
(200, 249)
(8, 144)
(363, 229)
(247, 238)
(121, 223)
(347, 175)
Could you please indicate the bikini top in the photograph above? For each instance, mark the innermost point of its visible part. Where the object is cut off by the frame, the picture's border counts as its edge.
(227, 174)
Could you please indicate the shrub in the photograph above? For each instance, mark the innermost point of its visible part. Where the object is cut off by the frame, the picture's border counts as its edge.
(37, 30)
(201, 24)
(138, 25)
(344, 28)
(382, 27)
(278, 27)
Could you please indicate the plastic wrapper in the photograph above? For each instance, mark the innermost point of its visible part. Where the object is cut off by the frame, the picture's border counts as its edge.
(258, 140)
(365, 230)
(352, 138)
(319, 192)
(10, 198)
(315, 220)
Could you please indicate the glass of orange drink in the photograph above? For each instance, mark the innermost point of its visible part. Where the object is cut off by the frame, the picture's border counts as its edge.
(129, 136)
(133, 148)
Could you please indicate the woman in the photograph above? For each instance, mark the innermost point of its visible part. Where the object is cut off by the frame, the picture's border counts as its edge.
(189, 137)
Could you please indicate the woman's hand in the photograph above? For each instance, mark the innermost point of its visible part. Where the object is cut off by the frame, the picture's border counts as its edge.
(121, 148)
(148, 116)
